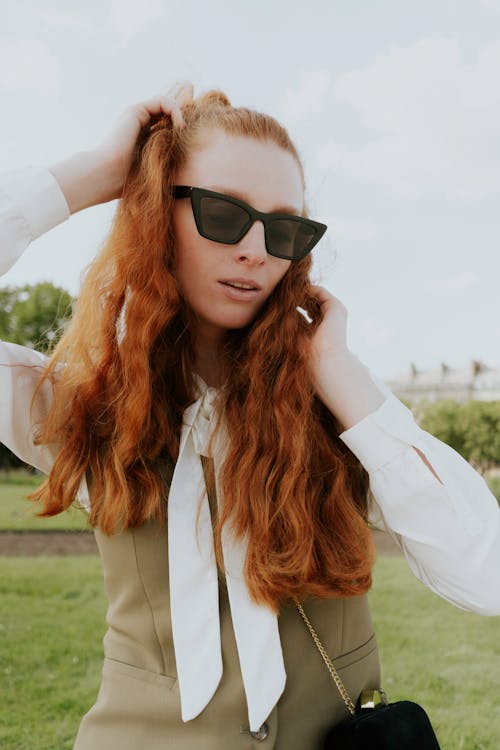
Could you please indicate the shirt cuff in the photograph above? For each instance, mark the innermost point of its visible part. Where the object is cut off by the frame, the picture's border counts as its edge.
(383, 434)
(37, 196)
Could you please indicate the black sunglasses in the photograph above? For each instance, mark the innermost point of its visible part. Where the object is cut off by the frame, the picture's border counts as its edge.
(222, 218)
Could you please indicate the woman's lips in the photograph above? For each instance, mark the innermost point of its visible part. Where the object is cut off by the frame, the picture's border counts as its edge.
(232, 292)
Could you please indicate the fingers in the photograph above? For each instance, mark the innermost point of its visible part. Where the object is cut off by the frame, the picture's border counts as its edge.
(182, 91)
(321, 293)
(177, 96)
(324, 296)
(158, 106)
(170, 104)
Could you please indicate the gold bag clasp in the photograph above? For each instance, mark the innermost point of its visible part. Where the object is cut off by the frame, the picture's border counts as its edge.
(370, 699)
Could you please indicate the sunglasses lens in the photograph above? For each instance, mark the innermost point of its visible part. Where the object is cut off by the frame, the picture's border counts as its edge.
(289, 238)
(222, 221)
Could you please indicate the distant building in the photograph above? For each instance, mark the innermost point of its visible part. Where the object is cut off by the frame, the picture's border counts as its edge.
(476, 381)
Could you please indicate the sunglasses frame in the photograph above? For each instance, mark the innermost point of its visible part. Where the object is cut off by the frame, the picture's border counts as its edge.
(197, 193)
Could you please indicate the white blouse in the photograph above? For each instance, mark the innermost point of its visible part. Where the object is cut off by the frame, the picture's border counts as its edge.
(448, 530)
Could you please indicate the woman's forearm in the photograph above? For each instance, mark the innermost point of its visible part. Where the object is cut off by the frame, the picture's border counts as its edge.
(98, 175)
(344, 385)
(350, 394)
(86, 179)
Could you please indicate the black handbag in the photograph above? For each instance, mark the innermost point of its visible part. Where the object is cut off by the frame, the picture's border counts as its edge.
(375, 723)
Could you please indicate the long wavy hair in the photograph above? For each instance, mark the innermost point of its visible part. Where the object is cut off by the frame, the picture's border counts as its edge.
(122, 375)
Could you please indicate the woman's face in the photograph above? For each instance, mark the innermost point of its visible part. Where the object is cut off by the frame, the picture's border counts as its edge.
(263, 175)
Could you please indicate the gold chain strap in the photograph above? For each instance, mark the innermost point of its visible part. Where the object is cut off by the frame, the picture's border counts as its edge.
(333, 672)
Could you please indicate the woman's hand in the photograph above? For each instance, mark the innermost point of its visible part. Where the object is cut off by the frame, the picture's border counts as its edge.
(118, 146)
(92, 177)
(340, 379)
(330, 337)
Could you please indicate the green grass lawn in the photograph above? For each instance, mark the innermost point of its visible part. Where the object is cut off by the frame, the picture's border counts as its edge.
(52, 623)
(17, 513)
(438, 655)
(494, 485)
(51, 628)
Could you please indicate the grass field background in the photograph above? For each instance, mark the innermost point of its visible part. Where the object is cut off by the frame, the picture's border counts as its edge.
(52, 614)
(52, 624)
(17, 513)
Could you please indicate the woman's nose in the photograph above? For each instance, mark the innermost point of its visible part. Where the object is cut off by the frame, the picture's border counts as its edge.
(253, 245)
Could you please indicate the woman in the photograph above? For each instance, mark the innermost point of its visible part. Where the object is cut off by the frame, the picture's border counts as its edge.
(188, 367)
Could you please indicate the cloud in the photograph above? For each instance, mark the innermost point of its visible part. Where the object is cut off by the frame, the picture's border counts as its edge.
(491, 5)
(308, 97)
(28, 64)
(454, 284)
(59, 18)
(376, 333)
(130, 17)
(428, 120)
(352, 231)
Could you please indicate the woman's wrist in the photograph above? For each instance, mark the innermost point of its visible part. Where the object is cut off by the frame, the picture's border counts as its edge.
(346, 388)
(86, 179)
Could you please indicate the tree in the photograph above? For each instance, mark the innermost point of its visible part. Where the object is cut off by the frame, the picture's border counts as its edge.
(441, 419)
(471, 428)
(479, 422)
(33, 316)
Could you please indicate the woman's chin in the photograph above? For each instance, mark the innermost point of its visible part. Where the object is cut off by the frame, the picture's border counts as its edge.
(228, 322)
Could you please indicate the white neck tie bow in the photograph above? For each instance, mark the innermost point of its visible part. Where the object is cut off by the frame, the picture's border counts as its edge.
(194, 590)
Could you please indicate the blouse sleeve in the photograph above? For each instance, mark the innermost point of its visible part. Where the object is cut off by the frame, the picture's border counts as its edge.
(31, 203)
(448, 528)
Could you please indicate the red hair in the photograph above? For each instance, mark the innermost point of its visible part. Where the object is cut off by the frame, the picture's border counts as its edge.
(123, 375)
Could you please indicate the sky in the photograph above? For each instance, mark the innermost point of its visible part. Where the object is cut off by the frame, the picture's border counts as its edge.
(394, 107)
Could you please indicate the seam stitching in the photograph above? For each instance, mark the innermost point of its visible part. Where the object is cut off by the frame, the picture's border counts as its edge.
(149, 603)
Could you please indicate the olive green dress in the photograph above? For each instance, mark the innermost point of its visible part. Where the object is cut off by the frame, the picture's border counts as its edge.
(138, 703)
